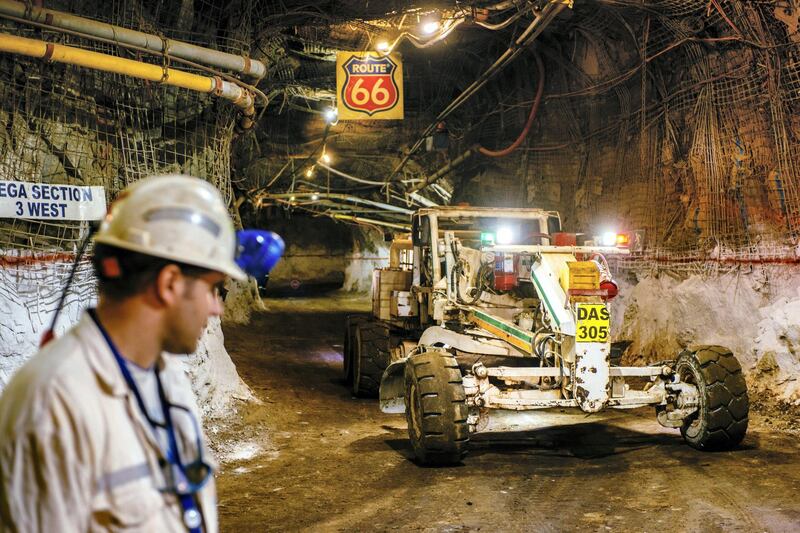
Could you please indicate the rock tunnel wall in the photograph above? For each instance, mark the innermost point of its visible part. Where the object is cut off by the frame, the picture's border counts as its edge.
(323, 254)
(753, 312)
(674, 118)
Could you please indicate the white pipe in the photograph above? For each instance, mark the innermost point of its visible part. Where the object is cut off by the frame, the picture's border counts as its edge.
(334, 196)
(348, 176)
(370, 221)
(58, 19)
(70, 55)
(422, 200)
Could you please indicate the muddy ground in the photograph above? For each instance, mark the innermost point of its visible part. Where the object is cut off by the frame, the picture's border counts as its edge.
(311, 457)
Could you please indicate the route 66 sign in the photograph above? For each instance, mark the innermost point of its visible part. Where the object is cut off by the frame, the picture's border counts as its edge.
(369, 86)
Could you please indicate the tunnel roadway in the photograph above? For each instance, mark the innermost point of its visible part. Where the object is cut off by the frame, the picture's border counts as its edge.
(311, 457)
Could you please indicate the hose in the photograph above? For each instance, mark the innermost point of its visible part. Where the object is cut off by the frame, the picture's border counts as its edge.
(531, 116)
(484, 280)
(457, 270)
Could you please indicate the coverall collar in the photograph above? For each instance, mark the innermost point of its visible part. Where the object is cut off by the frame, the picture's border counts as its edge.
(101, 359)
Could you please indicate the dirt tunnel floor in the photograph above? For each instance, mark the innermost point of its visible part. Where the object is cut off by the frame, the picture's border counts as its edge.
(313, 458)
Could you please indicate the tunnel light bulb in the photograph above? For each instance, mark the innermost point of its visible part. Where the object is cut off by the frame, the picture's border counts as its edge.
(309, 172)
(504, 235)
(315, 197)
(430, 27)
(331, 115)
(291, 198)
(609, 238)
(326, 158)
(382, 46)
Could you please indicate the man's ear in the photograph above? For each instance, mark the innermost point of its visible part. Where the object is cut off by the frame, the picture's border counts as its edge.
(169, 285)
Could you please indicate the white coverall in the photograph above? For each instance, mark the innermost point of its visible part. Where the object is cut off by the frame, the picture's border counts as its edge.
(77, 455)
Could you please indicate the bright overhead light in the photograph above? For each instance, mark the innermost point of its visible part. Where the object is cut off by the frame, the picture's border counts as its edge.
(430, 27)
(315, 197)
(325, 158)
(382, 46)
(309, 172)
(331, 115)
(291, 198)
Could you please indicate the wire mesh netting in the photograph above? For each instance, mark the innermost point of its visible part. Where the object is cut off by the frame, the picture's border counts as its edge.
(683, 124)
(676, 117)
(68, 125)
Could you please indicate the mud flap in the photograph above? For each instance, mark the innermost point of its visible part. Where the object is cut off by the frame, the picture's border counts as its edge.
(618, 349)
(393, 388)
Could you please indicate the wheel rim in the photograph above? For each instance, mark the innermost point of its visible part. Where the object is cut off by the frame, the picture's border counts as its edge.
(692, 423)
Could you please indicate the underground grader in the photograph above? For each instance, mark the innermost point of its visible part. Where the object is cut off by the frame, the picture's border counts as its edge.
(486, 313)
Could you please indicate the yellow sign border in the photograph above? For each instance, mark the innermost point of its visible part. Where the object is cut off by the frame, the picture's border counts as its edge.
(589, 322)
(344, 112)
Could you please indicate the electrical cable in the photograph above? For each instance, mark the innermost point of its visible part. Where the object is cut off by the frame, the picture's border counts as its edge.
(505, 23)
(50, 332)
(550, 11)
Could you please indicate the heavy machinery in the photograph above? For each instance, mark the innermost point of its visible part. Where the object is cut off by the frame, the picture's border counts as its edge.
(484, 313)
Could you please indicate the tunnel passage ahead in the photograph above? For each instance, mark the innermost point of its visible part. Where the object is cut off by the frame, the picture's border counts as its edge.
(313, 458)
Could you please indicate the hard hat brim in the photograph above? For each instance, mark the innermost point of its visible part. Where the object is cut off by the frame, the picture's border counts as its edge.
(227, 267)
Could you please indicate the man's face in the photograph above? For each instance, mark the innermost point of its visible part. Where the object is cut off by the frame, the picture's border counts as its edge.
(188, 318)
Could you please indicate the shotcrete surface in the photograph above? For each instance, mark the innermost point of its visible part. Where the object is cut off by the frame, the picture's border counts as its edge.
(311, 457)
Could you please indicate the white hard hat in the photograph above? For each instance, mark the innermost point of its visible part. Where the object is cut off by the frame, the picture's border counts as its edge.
(174, 217)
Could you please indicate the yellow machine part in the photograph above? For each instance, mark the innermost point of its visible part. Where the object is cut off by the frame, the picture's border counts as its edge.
(582, 275)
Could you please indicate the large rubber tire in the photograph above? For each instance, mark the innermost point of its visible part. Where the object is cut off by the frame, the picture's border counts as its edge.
(371, 356)
(348, 348)
(436, 410)
(720, 422)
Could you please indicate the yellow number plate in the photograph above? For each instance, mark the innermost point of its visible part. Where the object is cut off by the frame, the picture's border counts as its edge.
(593, 323)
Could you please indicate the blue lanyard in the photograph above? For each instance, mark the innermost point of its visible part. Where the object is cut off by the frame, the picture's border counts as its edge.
(191, 515)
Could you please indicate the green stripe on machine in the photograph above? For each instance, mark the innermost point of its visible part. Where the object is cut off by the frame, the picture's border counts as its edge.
(546, 301)
(515, 332)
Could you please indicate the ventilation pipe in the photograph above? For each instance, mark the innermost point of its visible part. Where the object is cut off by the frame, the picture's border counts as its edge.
(59, 53)
(65, 21)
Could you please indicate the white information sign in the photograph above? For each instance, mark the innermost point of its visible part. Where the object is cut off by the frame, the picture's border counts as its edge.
(46, 201)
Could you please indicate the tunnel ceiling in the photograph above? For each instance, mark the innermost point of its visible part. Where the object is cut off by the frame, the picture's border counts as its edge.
(674, 117)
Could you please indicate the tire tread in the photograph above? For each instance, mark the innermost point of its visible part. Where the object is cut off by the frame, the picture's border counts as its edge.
(724, 410)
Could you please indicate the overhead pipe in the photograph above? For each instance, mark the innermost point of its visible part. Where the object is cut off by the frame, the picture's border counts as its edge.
(422, 200)
(240, 97)
(335, 196)
(416, 197)
(355, 210)
(347, 176)
(350, 209)
(442, 171)
(155, 43)
(362, 220)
